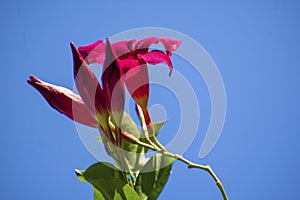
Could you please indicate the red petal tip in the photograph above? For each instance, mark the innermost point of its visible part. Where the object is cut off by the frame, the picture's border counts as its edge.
(107, 41)
(33, 80)
(170, 73)
(73, 47)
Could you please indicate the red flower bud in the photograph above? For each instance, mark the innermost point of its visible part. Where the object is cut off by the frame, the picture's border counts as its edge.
(64, 101)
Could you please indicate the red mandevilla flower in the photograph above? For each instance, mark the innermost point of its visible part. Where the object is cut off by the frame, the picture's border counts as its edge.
(132, 60)
(124, 63)
(99, 100)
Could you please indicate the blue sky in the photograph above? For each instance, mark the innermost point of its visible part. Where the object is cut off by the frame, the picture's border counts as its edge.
(254, 44)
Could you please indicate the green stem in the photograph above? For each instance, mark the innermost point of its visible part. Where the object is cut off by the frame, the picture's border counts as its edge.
(190, 165)
(144, 125)
(158, 143)
(206, 168)
(129, 170)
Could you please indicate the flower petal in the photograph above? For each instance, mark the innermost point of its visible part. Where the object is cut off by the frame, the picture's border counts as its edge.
(87, 84)
(64, 101)
(127, 64)
(143, 45)
(112, 82)
(93, 53)
(155, 57)
(123, 49)
(147, 117)
(136, 80)
(170, 45)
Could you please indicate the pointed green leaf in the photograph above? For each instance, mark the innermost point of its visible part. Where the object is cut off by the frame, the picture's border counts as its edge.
(80, 176)
(158, 125)
(100, 139)
(98, 195)
(102, 170)
(109, 182)
(133, 153)
(154, 176)
(129, 125)
(114, 189)
(130, 193)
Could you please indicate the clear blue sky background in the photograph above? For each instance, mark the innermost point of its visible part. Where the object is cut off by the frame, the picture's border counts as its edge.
(255, 45)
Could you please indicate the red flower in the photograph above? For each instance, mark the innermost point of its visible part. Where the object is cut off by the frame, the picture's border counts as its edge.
(100, 101)
(124, 62)
(95, 104)
(132, 59)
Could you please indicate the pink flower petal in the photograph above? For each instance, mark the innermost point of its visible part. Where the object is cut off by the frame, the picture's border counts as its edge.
(87, 84)
(170, 45)
(123, 48)
(136, 80)
(93, 53)
(143, 45)
(126, 64)
(147, 118)
(112, 82)
(155, 57)
(64, 101)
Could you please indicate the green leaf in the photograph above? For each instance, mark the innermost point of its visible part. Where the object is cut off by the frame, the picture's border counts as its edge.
(100, 139)
(157, 126)
(154, 176)
(113, 188)
(132, 153)
(98, 195)
(80, 176)
(102, 170)
(129, 125)
(130, 193)
(109, 183)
